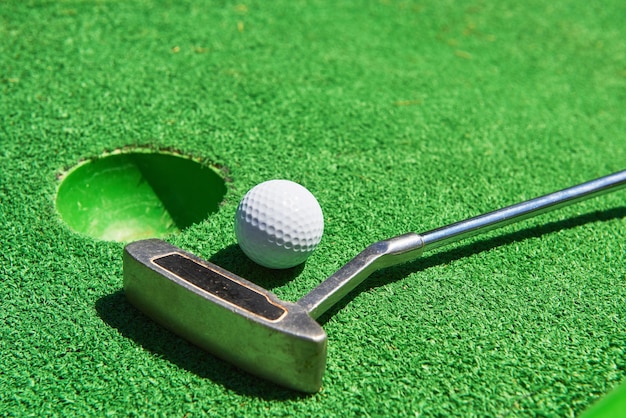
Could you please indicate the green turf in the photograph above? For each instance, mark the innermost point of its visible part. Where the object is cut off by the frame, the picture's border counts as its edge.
(399, 116)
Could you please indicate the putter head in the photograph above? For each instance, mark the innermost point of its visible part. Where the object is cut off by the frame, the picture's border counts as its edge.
(225, 315)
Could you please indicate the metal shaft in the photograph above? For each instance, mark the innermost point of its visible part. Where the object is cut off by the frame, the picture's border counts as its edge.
(410, 246)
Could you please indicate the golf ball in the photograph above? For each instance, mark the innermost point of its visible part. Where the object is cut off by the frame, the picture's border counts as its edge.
(278, 224)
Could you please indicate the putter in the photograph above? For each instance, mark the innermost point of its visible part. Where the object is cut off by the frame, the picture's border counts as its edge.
(250, 327)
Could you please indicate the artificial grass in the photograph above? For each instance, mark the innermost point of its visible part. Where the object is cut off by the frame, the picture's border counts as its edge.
(398, 116)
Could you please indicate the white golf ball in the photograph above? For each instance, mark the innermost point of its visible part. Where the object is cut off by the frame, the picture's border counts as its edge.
(278, 224)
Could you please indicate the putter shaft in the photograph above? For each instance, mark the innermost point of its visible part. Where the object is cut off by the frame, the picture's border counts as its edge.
(409, 246)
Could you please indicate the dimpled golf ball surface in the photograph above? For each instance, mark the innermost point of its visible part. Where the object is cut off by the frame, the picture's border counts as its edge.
(278, 224)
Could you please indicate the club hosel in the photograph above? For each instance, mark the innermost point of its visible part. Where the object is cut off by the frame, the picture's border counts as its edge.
(379, 255)
(398, 250)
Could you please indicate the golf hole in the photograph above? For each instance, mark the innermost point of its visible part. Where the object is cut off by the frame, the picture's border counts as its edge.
(127, 196)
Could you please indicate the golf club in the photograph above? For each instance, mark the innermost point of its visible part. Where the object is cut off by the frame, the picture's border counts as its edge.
(250, 327)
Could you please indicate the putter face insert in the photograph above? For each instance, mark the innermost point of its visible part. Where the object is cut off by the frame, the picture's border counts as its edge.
(225, 314)
(281, 341)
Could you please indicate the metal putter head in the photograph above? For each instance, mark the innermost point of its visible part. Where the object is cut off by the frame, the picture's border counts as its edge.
(280, 341)
(225, 314)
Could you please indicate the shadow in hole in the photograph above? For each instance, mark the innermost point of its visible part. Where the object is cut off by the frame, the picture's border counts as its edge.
(233, 259)
(392, 274)
(188, 190)
(116, 311)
